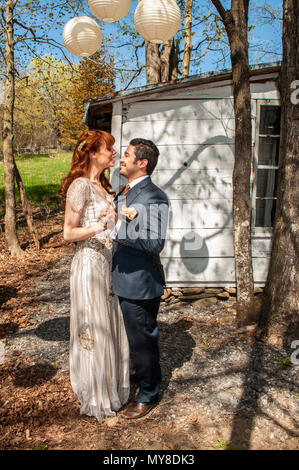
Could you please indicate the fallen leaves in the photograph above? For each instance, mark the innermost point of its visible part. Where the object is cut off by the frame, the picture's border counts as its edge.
(18, 277)
(31, 398)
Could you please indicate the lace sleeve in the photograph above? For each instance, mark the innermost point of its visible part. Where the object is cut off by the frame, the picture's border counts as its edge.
(78, 194)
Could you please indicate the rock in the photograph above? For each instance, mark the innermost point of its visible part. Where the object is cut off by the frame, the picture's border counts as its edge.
(167, 293)
(223, 296)
(176, 292)
(258, 290)
(207, 302)
(231, 290)
(192, 290)
(212, 290)
(206, 295)
(191, 297)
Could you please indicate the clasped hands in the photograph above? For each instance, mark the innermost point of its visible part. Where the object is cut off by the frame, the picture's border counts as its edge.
(108, 218)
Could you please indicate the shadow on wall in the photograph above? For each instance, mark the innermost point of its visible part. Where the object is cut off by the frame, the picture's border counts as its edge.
(193, 246)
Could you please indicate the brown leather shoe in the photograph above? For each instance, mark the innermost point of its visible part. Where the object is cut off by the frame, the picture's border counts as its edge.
(137, 410)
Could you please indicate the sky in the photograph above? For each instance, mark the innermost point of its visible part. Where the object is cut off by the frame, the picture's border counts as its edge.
(262, 38)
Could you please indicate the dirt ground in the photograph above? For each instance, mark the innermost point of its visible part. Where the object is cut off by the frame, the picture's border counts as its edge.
(221, 389)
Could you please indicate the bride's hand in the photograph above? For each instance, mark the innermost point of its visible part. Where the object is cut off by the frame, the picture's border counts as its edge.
(100, 226)
(109, 216)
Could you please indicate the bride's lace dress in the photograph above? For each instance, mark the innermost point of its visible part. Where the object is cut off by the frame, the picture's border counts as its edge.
(99, 351)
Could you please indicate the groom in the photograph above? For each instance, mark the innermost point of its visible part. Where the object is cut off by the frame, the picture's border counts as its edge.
(137, 273)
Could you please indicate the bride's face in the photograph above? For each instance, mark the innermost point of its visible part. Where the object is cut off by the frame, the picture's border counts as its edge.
(103, 157)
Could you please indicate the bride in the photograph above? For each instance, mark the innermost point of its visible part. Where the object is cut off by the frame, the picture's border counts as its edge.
(99, 351)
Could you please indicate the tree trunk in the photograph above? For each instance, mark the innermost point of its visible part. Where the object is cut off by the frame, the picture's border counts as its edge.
(279, 315)
(165, 61)
(161, 65)
(26, 208)
(174, 62)
(242, 167)
(187, 42)
(236, 22)
(153, 66)
(8, 156)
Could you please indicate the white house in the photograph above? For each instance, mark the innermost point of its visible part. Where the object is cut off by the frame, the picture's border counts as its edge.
(192, 123)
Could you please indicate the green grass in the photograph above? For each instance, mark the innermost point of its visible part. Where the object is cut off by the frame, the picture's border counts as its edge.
(41, 175)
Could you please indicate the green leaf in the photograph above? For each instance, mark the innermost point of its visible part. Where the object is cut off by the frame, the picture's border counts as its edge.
(42, 447)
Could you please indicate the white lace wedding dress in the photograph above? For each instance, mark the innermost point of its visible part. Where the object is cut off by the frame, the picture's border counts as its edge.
(99, 351)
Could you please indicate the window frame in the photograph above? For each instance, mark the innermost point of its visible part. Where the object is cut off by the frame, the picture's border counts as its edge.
(255, 166)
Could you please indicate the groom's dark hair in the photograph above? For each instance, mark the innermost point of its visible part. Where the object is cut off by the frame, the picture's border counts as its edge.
(146, 150)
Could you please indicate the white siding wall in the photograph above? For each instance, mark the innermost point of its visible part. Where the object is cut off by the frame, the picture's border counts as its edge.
(194, 131)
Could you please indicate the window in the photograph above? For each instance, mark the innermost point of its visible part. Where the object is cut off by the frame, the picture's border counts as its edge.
(266, 164)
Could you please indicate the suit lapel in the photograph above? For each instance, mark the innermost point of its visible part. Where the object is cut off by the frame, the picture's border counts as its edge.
(132, 194)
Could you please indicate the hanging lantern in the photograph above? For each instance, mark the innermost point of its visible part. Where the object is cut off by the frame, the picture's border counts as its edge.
(82, 36)
(109, 10)
(157, 20)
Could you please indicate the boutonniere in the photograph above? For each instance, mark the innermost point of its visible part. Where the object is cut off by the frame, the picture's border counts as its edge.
(129, 212)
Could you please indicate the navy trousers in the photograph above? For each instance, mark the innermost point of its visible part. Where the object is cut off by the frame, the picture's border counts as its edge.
(140, 318)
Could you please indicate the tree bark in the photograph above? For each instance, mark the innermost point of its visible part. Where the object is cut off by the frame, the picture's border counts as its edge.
(279, 315)
(161, 65)
(174, 62)
(12, 242)
(165, 55)
(187, 42)
(153, 66)
(26, 208)
(236, 22)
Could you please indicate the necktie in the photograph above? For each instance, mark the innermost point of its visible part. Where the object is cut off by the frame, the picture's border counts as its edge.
(125, 189)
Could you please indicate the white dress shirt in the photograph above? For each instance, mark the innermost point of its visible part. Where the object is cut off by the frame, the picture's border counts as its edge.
(131, 184)
(137, 180)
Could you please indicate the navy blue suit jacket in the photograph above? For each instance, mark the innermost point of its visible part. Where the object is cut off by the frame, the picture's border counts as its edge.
(137, 272)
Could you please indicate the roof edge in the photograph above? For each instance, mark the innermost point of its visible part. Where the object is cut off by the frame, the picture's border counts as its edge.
(189, 81)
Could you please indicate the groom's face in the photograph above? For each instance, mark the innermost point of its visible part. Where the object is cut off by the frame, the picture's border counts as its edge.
(129, 167)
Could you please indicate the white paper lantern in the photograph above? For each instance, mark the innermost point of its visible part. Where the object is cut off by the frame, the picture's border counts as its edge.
(109, 10)
(82, 36)
(157, 20)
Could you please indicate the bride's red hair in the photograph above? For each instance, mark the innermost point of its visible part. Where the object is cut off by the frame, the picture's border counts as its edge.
(89, 141)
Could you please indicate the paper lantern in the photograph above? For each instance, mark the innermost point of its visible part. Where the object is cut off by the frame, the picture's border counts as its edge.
(157, 20)
(82, 36)
(109, 10)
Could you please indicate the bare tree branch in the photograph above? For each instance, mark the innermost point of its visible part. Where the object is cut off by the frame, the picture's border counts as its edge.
(54, 44)
(222, 12)
(135, 76)
(27, 28)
